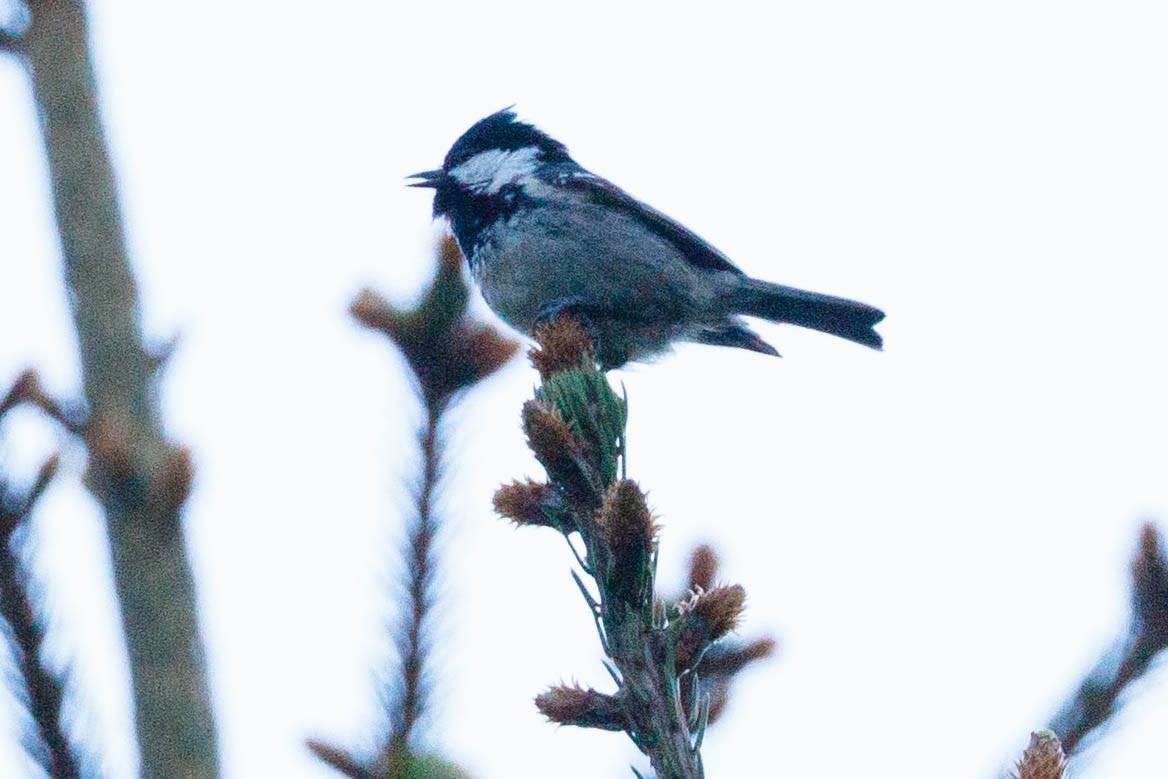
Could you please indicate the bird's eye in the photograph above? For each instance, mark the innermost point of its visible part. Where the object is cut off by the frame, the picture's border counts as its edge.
(509, 192)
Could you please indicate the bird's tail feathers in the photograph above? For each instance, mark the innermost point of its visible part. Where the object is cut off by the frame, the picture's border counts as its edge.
(828, 314)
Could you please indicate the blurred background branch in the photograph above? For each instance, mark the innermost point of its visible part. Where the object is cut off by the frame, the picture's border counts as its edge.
(447, 353)
(140, 479)
(1098, 696)
(9, 42)
(43, 689)
(11, 27)
(27, 389)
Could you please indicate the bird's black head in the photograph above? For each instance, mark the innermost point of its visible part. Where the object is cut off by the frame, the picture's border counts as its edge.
(502, 131)
(481, 179)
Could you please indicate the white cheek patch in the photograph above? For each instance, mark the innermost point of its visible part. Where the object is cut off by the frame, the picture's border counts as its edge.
(490, 171)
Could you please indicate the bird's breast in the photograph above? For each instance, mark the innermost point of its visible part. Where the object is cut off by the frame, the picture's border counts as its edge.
(587, 255)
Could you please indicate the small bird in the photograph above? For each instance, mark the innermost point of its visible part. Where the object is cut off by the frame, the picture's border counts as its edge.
(544, 237)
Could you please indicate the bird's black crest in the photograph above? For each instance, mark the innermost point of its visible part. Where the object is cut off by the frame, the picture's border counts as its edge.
(502, 130)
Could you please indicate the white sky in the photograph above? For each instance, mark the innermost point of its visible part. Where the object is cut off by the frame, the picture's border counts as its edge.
(938, 534)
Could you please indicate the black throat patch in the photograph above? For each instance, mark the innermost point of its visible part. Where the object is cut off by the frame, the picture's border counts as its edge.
(471, 215)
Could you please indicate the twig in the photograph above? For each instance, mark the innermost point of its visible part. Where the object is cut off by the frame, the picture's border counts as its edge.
(447, 354)
(45, 690)
(140, 479)
(575, 426)
(339, 760)
(28, 389)
(10, 42)
(409, 700)
(1097, 697)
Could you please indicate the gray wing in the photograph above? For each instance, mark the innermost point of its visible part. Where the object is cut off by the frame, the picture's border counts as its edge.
(604, 193)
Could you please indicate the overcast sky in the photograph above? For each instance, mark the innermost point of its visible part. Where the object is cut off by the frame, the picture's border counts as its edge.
(937, 534)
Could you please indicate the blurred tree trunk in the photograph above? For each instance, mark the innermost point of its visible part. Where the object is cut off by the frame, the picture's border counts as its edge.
(140, 479)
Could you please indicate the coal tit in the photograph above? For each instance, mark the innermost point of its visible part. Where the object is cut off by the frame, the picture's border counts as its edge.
(544, 237)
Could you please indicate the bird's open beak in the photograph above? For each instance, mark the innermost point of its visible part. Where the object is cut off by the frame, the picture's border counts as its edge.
(429, 178)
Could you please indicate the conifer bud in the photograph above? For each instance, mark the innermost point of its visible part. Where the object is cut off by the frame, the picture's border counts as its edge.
(530, 503)
(706, 618)
(580, 707)
(626, 529)
(563, 344)
(1043, 758)
(553, 444)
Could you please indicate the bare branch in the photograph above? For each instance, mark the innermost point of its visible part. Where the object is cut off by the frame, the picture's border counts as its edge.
(44, 689)
(27, 389)
(17, 393)
(409, 699)
(139, 478)
(339, 760)
(1097, 698)
(10, 42)
(448, 354)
